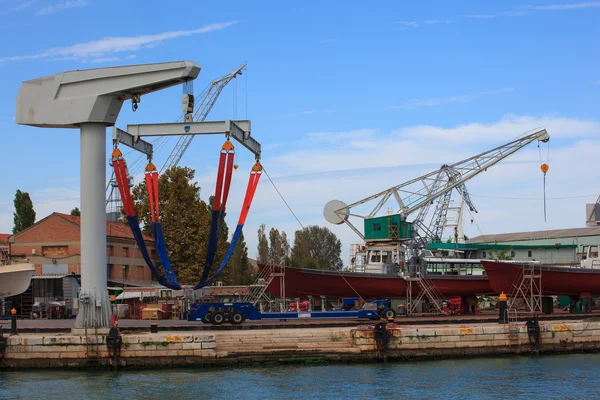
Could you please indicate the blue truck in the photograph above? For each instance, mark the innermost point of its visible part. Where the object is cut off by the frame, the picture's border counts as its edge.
(238, 313)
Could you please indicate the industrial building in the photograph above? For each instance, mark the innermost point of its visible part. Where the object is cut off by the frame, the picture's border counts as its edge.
(557, 246)
(53, 246)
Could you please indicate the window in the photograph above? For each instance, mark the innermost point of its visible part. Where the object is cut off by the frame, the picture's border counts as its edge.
(385, 256)
(377, 227)
(484, 254)
(529, 254)
(110, 250)
(593, 251)
(375, 256)
(109, 270)
(126, 251)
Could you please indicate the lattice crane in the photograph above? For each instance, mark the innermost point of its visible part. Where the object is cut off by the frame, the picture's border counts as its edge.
(202, 110)
(418, 194)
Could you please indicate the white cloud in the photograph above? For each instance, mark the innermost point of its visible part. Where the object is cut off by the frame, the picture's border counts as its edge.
(24, 6)
(506, 129)
(62, 6)
(416, 24)
(105, 59)
(436, 101)
(111, 45)
(571, 6)
(479, 16)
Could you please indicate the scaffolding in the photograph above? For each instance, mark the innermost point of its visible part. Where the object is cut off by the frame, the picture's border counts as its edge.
(258, 293)
(419, 288)
(527, 289)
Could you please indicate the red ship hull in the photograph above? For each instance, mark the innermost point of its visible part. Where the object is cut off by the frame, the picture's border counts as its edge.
(554, 280)
(304, 282)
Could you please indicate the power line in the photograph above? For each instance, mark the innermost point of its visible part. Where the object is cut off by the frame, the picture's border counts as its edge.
(534, 198)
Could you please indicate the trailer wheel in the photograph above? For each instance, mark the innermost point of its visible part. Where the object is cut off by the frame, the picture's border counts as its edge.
(207, 317)
(217, 318)
(236, 318)
(388, 313)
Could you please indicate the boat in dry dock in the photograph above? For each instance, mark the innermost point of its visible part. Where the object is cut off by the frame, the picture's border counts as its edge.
(15, 278)
(572, 280)
(381, 276)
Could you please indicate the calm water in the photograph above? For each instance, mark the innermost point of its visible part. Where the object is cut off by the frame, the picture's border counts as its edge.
(549, 377)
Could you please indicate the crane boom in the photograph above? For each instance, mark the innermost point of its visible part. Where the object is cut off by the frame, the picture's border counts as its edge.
(202, 111)
(418, 194)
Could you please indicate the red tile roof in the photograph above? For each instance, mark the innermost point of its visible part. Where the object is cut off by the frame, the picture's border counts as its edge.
(4, 237)
(113, 228)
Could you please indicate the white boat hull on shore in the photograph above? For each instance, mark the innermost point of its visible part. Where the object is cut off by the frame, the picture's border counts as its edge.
(15, 278)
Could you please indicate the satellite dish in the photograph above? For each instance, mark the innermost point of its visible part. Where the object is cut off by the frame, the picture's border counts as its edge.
(336, 212)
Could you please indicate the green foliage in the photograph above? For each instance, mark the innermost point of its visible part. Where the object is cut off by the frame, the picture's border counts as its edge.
(263, 246)
(316, 247)
(24, 215)
(275, 249)
(75, 212)
(499, 255)
(185, 220)
(241, 270)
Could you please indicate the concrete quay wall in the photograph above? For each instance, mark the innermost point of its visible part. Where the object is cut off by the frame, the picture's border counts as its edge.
(295, 345)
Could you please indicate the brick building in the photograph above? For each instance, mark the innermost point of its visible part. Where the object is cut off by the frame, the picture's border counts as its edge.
(53, 246)
(4, 246)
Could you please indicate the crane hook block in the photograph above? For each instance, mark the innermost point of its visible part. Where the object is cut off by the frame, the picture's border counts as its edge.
(544, 167)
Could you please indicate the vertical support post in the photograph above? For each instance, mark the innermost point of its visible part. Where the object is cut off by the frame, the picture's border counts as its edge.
(94, 305)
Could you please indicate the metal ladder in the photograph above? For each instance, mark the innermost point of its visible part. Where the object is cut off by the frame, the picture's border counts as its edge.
(258, 290)
(428, 290)
(528, 290)
(513, 327)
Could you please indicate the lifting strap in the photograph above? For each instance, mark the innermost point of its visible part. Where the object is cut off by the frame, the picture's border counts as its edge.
(255, 174)
(220, 201)
(121, 176)
(159, 240)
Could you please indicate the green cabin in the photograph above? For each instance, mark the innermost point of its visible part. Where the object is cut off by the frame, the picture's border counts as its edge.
(390, 227)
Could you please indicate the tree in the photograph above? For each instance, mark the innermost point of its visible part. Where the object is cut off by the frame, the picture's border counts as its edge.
(279, 247)
(241, 270)
(76, 212)
(263, 246)
(316, 247)
(499, 254)
(185, 221)
(24, 215)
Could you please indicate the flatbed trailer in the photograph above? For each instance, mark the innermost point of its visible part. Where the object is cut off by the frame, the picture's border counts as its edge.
(237, 313)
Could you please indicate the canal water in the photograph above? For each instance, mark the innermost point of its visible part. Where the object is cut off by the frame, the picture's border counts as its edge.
(575, 376)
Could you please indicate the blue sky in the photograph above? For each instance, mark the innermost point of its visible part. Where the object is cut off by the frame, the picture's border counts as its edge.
(347, 98)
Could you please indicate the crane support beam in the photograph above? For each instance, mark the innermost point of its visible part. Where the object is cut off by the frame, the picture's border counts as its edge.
(132, 141)
(238, 130)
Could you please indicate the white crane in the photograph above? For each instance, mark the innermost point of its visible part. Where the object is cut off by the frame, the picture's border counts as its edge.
(418, 194)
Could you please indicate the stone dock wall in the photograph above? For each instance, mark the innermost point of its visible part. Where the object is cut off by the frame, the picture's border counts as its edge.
(295, 345)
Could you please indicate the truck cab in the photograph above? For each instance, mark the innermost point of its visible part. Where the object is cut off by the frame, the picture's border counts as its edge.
(589, 258)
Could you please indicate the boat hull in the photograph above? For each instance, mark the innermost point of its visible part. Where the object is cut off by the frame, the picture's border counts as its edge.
(554, 280)
(333, 284)
(15, 279)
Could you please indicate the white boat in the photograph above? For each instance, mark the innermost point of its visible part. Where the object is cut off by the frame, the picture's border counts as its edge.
(15, 278)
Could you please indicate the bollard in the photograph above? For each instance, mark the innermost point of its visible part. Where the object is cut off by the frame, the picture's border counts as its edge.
(502, 302)
(13, 322)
